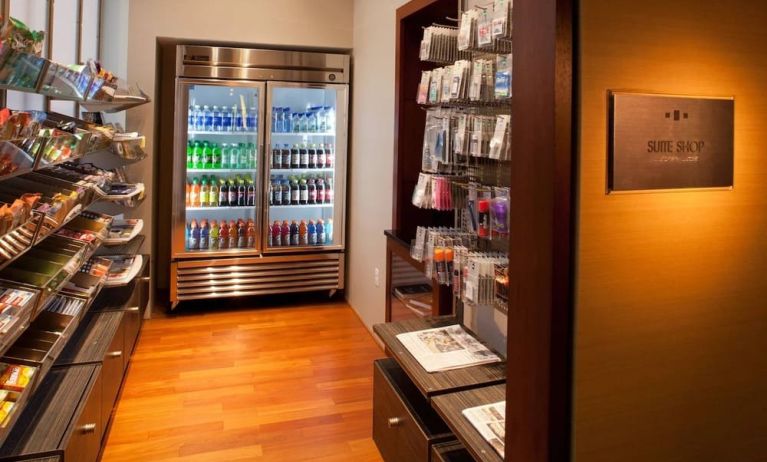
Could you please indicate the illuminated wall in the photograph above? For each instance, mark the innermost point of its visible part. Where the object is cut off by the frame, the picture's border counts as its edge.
(671, 315)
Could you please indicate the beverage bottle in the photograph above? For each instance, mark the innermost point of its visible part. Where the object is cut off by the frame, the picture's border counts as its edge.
(204, 192)
(242, 235)
(213, 194)
(214, 235)
(295, 122)
(312, 188)
(287, 120)
(223, 194)
(320, 190)
(322, 121)
(277, 115)
(226, 119)
(251, 233)
(197, 155)
(187, 235)
(233, 235)
(251, 193)
(242, 193)
(287, 194)
(190, 118)
(330, 117)
(311, 120)
(236, 119)
(305, 122)
(303, 156)
(276, 234)
(286, 156)
(311, 232)
(329, 196)
(276, 160)
(285, 233)
(253, 151)
(329, 231)
(232, 196)
(244, 156)
(223, 241)
(321, 156)
(207, 118)
(204, 235)
(302, 231)
(234, 156)
(225, 156)
(199, 118)
(320, 232)
(293, 233)
(276, 196)
(189, 154)
(194, 233)
(194, 195)
(207, 155)
(330, 156)
(269, 238)
(252, 117)
(216, 156)
(188, 194)
(217, 120)
(295, 157)
(295, 192)
(313, 159)
(303, 188)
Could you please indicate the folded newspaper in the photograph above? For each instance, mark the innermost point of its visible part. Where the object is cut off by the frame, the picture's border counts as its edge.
(490, 422)
(446, 348)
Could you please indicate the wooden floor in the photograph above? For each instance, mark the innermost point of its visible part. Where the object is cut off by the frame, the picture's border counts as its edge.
(270, 384)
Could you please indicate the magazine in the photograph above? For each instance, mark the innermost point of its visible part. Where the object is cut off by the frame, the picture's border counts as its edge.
(446, 348)
(490, 422)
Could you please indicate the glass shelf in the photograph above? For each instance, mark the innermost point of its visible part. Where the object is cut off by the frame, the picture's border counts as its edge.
(302, 170)
(208, 209)
(301, 206)
(325, 134)
(203, 132)
(221, 170)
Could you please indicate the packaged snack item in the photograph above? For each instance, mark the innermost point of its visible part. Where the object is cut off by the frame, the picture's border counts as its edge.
(21, 38)
(5, 410)
(16, 377)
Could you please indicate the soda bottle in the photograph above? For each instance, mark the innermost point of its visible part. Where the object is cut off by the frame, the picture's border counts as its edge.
(251, 193)
(329, 231)
(313, 159)
(242, 193)
(225, 156)
(242, 235)
(223, 241)
(199, 118)
(197, 155)
(207, 155)
(226, 119)
(320, 190)
(302, 239)
(287, 194)
(253, 153)
(190, 118)
(276, 234)
(330, 156)
(223, 194)
(276, 160)
(295, 157)
(286, 156)
(234, 155)
(295, 193)
(207, 119)
(303, 188)
(244, 160)
(320, 156)
(304, 156)
(269, 238)
(251, 233)
(216, 156)
(204, 192)
(217, 120)
(232, 193)
(320, 232)
(329, 190)
(312, 187)
(194, 239)
(293, 233)
(188, 194)
(311, 232)
(204, 235)
(233, 237)
(213, 194)
(194, 195)
(189, 154)
(285, 233)
(214, 235)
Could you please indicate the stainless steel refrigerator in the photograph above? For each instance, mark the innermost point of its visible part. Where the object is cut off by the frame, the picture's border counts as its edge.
(259, 172)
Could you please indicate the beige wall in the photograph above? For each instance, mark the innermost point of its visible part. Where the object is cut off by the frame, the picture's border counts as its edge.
(671, 309)
(370, 188)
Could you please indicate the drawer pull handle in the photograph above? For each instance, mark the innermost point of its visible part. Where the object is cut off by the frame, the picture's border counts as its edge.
(88, 428)
(133, 308)
(394, 422)
(114, 354)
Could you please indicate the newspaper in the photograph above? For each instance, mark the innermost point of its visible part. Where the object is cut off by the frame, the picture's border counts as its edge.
(490, 422)
(446, 348)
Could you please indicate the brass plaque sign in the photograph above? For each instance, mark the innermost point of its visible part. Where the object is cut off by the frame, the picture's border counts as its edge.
(670, 142)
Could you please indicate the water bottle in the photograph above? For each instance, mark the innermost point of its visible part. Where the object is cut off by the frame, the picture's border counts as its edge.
(252, 119)
(190, 118)
(234, 156)
(329, 231)
(244, 155)
(322, 121)
(225, 156)
(274, 120)
(286, 120)
(236, 119)
(226, 119)
(253, 155)
(295, 122)
(199, 118)
(304, 121)
(311, 121)
(217, 121)
(330, 118)
(207, 119)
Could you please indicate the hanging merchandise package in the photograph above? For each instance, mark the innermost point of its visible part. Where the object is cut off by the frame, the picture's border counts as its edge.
(501, 27)
(503, 76)
(21, 38)
(500, 137)
(423, 87)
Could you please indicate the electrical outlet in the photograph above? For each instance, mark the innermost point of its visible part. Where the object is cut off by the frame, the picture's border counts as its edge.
(377, 277)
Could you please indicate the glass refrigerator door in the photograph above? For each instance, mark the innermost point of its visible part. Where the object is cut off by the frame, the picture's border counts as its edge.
(306, 153)
(222, 208)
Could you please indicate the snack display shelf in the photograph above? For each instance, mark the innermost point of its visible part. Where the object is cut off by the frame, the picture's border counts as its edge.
(26, 72)
(128, 268)
(136, 191)
(129, 248)
(500, 103)
(121, 232)
(17, 309)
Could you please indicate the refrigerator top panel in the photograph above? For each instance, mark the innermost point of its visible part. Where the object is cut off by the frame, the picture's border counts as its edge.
(195, 61)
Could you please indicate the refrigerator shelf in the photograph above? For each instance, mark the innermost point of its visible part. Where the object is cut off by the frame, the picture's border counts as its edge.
(208, 209)
(323, 134)
(301, 206)
(302, 170)
(221, 170)
(203, 132)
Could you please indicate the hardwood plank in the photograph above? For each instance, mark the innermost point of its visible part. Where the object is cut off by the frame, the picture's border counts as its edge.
(282, 384)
